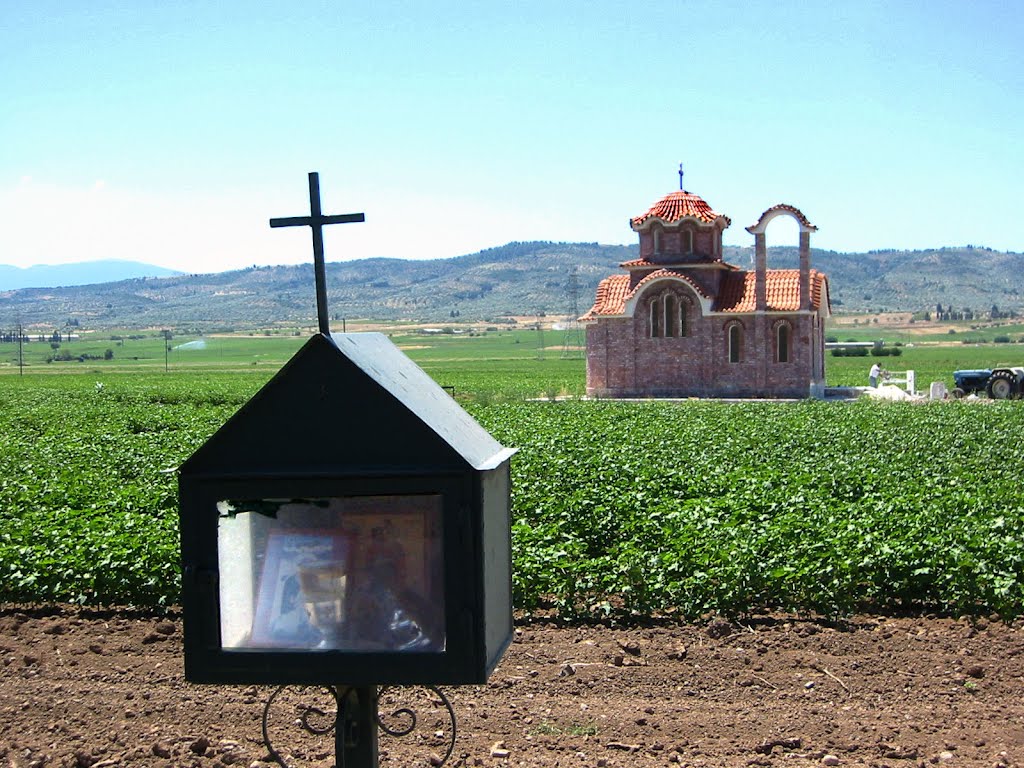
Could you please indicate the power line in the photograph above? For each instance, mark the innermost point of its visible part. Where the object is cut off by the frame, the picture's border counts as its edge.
(572, 339)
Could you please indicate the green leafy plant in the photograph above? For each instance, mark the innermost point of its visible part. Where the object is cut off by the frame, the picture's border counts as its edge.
(619, 510)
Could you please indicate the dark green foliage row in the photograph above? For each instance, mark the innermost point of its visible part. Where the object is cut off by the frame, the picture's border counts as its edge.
(864, 351)
(850, 352)
(638, 508)
(88, 493)
(826, 507)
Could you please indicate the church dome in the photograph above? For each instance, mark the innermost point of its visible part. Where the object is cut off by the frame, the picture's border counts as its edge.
(677, 206)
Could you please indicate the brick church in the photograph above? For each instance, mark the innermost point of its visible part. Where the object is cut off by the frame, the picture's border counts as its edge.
(681, 322)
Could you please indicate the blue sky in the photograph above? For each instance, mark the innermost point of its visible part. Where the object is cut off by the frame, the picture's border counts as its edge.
(170, 132)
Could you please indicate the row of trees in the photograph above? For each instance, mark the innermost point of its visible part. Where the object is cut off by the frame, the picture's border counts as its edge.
(948, 313)
(63, 355)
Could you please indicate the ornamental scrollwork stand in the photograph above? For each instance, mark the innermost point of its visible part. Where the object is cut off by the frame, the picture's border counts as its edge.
(356, 719)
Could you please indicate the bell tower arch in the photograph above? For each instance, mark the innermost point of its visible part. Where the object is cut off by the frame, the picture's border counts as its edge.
(761, 253)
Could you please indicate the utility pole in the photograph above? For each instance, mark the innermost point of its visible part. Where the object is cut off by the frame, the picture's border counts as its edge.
(573, 339)
(167, 348)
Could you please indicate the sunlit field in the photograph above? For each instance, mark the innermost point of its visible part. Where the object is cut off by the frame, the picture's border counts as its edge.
(619, 508)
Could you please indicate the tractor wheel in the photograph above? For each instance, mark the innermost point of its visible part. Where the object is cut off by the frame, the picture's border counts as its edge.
(1002, 385)
(957, 393)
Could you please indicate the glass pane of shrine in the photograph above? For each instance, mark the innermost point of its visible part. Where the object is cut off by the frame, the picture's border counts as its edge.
(360, 573)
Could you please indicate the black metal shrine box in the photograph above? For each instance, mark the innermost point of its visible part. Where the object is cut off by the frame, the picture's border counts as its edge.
(349, 525)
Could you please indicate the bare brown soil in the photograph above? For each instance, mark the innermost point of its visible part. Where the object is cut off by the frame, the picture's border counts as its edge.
(95, 690)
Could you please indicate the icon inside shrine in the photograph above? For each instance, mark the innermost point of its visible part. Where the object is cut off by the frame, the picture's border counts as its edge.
(356, 574)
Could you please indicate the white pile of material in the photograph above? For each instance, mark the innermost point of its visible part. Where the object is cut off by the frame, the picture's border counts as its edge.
(889, 392)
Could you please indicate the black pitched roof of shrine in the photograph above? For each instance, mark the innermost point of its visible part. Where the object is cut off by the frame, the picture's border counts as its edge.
(343, 404)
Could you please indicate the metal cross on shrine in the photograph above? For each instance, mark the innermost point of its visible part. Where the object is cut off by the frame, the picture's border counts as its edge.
(316, 220)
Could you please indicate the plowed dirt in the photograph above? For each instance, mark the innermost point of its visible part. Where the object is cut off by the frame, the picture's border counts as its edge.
(100, 689)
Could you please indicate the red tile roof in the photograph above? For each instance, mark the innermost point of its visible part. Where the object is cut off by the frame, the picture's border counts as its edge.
(613, 292)
(677, 206)
(782, 291)
(611, 297)
(736, 292)
(782, 288)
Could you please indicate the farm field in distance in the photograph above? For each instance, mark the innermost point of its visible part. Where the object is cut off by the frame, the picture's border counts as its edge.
(544, 363)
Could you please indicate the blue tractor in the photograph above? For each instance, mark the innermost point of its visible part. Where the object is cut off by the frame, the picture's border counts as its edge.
(997, 383)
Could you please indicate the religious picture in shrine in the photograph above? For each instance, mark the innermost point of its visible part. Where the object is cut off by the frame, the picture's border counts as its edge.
(360, 573)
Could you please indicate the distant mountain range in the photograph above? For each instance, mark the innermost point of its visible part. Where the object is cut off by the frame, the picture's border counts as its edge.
(81, 273)
(518, 279)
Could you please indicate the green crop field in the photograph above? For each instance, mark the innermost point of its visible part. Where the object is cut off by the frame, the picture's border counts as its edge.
(619, 508)
(814, 506)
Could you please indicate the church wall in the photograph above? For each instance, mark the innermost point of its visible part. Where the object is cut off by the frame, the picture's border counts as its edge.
(646, 244)
(703, 242)
(758, 374)
(612, 372)
(669, 365)
(740, 379)
(623, 361)
(791, 379)
(710, 280)
(597, 358)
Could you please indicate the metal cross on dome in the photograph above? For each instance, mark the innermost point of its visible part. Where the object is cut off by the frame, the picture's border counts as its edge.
(316, 220)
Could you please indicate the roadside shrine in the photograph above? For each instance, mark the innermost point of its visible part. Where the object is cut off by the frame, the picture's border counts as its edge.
(347, 528)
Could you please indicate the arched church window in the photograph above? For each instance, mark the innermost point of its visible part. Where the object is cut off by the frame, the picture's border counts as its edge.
(735, 342)
(687, 241)
(657, 319)
(671, 315)
(657, 239)
(783, 338)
